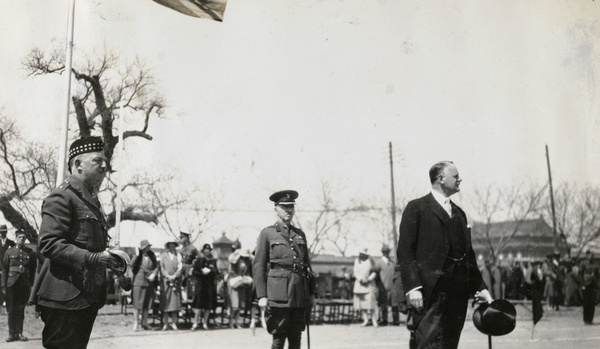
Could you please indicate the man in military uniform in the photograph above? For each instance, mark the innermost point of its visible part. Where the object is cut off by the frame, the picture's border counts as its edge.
(188, 253)
(5, 244)
(590, 273)
(71, 285)
(18, 271)
(282, 274)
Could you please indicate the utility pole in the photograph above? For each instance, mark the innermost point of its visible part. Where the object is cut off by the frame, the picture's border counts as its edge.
(394, 235)
(552, 200)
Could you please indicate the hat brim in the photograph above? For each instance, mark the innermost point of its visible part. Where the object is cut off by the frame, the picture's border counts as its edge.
(495, 319)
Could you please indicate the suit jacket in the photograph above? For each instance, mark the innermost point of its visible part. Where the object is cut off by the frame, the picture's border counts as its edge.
(73, 226)
(424, 245)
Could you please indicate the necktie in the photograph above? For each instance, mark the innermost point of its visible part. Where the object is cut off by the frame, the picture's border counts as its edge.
(448, 207)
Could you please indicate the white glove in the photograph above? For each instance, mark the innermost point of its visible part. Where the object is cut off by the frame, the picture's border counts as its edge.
(483, 296)
(263, 302)
(415, 298)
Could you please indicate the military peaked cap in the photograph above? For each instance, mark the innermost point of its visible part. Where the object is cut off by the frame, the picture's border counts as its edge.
(284, 197)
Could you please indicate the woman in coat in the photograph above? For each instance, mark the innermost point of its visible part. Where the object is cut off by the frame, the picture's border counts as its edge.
(239, 283)
(145, 271)
(365, 297)
(205, 271)
(171, 268)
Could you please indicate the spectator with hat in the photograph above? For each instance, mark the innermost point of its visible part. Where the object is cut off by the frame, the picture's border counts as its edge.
(283, 275)
(18, 270)
(239, 282)
(5, 244)
(145, 275)
(70, 287)
(206, 273)
(188, 252)
(171, 268)
(365, 289)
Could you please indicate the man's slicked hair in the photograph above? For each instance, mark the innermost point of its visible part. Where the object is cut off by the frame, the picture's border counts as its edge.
(437, 169)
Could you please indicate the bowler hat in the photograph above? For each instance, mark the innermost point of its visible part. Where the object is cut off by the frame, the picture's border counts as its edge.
(495, 319)
(3, 228)
(284, 197)
(144, 244)
(171, 242)
(206, 247)
(385, 248)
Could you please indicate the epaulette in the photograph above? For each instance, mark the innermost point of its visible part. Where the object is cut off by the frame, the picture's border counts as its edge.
(64, 185)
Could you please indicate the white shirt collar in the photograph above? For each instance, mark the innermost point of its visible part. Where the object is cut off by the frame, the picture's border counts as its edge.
(440, 198)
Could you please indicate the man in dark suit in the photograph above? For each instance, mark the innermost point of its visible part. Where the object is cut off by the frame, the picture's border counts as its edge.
(437, 263)
(5, 244)
(18, 269)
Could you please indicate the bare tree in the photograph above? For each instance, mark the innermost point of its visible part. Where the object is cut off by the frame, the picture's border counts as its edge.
(27, 170)
(106, 82)
(327, 222)
(188, 208)
(492, 204)
(577, 216)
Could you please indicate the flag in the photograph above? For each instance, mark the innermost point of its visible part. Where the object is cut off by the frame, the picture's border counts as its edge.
(209, 9)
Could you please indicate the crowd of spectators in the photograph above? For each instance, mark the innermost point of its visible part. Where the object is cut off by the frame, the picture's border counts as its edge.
(182, 278)
(560, 282)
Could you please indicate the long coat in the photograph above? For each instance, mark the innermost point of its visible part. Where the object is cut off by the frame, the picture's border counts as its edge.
(274, 256)
(73, 226)
(170, 292)
(205, 296)
(424, 245)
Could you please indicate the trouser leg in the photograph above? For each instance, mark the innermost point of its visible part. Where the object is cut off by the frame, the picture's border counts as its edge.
(16, 299)
(278, 341)
(384, 314)
(67, 328)
(294, 339)
(396, 315)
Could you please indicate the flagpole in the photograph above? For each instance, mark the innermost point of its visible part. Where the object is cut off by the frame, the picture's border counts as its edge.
(64, 131)
(119, 179)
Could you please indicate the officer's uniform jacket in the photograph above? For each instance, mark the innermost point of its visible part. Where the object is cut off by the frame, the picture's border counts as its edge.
(18, 267)
(73, 225)
(280, 268)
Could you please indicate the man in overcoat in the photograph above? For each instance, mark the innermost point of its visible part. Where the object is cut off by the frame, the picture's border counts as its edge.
(437, 263)
(18, 270)
(282, 274)
(71, 285)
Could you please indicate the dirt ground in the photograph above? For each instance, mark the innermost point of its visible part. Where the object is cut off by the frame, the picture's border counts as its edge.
(562, 329)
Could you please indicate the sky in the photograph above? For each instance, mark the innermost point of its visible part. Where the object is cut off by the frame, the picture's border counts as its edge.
(287, 94)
